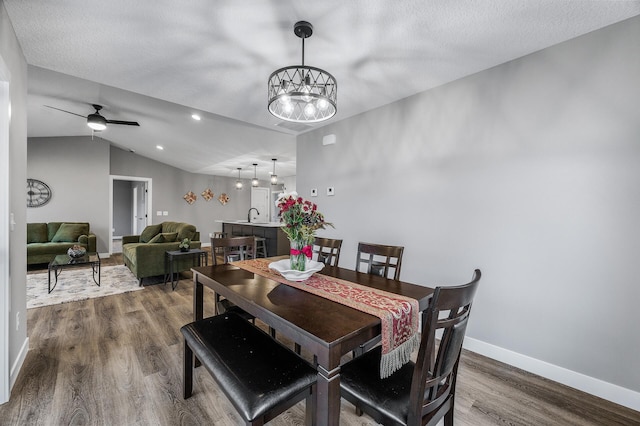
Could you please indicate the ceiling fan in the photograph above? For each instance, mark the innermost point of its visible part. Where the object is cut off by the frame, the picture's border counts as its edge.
(96, 121)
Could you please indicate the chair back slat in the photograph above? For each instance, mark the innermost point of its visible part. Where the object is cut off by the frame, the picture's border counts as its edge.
(327, 250)
(234, 248)
(380, 259)
(434, 376)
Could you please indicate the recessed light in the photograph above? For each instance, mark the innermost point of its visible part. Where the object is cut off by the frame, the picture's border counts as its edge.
(160, 147)
(195, 117)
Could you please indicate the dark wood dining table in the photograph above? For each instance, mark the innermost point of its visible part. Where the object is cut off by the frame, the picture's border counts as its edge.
(325, 328)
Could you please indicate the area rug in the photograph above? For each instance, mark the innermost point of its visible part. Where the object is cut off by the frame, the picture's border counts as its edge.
(77, 284)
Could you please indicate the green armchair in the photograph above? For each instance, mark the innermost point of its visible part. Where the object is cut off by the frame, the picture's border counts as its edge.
(144, 254)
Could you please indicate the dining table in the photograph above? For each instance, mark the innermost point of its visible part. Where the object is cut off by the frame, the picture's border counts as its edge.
(326, 329)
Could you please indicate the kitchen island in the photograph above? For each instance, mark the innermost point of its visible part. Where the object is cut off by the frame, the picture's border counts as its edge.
(277, 242)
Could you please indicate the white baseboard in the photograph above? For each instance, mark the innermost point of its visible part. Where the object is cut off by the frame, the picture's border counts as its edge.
(17, 366)
(593, 386)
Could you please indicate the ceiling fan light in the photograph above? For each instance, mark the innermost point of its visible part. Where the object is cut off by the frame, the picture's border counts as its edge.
(96, 122)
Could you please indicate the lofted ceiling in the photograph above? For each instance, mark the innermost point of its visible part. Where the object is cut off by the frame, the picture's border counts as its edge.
(159, 62)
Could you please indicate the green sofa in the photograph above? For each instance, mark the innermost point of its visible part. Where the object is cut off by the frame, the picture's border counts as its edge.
(144, 254)
(47, 240)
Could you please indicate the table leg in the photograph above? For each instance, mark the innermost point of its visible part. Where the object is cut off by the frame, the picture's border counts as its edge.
(197, 305)
(95, 267)
(197, 298)
(328, 397)
(56, 272)
(166, 267)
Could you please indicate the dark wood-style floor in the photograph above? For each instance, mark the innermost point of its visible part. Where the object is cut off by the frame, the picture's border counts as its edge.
(117, 360)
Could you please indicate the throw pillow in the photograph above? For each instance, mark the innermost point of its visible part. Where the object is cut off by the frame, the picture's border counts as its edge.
(37, 233)
(170, 237)
(186, 231)
(150, 232)
(157, 239)
(70, 232)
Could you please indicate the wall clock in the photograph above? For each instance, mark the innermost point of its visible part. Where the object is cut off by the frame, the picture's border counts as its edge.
(38, 193)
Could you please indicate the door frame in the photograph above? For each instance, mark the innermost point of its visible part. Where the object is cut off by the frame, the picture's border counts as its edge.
(113, 178)
(6, 226)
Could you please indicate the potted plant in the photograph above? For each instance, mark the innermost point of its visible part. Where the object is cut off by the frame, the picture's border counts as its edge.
(185, 245)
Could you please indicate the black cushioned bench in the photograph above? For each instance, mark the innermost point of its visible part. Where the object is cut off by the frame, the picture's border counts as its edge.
(261, 377)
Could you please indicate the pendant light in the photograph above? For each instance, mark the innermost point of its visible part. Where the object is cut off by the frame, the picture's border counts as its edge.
(255, 182)
(239, 182)
(274, 176)
(300, 93)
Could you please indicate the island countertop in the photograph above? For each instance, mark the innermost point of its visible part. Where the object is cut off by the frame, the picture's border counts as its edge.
(244, 222)
(277, 243)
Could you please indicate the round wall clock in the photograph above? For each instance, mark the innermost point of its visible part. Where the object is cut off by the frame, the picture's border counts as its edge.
(38, 193)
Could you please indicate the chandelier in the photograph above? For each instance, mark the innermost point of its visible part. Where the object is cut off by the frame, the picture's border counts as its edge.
(300, 93)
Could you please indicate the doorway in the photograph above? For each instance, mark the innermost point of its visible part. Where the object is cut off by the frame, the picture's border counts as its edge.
(130, 208)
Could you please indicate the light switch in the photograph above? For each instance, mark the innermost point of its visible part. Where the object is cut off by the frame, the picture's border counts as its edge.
(330, 190)
(165, 213)
(158, 213)
(314, 192)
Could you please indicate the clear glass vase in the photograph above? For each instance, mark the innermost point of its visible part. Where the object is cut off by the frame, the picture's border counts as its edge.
(300, 252)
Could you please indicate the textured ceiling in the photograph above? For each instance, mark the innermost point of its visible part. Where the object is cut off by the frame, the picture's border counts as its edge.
(157, 62)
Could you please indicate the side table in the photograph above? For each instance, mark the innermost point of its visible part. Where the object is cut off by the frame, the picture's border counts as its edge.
(198, 257)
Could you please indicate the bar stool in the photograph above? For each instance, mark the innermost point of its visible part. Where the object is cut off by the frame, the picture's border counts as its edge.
(261, 247)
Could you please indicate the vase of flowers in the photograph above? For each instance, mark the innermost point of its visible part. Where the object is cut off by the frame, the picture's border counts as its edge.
(300, 220)
(185, 245)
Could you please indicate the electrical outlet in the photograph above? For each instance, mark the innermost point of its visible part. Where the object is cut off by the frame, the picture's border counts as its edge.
(165, 213)
(330, 190)
(314, 192)
(158, 213)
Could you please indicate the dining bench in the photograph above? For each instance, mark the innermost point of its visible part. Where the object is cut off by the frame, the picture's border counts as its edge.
(261, 377)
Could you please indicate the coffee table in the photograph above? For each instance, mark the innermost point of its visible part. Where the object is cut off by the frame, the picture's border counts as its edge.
(64, 261)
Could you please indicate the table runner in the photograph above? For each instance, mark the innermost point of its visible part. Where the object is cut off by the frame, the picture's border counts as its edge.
(398, 314)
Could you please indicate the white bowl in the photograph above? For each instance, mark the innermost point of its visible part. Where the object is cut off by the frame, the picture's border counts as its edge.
(284, 268)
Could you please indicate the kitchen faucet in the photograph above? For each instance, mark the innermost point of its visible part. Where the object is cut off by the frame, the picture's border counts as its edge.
(249, 213)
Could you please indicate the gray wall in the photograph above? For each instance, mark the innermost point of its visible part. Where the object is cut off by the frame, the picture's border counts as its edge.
(169, 184)
(529, 171)
(11, 54)
(122, 208)
(76, 169)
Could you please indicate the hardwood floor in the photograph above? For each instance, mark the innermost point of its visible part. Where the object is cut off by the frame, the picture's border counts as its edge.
(117, 360)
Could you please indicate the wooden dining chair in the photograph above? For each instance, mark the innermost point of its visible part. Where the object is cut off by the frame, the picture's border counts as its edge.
(327, 250)
(230, 249)
(423, 392)
(380, 259)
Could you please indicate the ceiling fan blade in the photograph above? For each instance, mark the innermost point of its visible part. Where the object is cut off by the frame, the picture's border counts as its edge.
(127, 123)
(68, 112)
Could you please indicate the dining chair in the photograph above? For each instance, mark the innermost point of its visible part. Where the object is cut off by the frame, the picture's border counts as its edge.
(230, 249)
(423, 392)
(327, 250)
(380, 259)
(259, 376)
